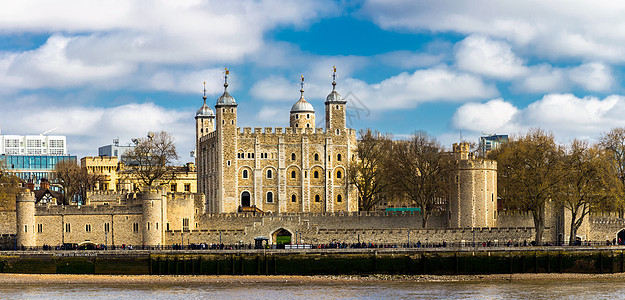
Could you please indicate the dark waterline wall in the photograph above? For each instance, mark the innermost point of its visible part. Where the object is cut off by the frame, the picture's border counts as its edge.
(312, 262)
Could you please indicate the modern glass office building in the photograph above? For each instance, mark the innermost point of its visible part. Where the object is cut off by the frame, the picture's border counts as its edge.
(33, 167)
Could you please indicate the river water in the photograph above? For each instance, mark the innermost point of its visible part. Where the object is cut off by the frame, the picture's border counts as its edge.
(528, 289)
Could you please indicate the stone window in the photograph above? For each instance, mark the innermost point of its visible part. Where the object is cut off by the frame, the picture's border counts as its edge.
(167, 226)
(338, 174)
(293, 174)
(88, 227)
(339, 198)
(68, 227)
(337, 107)
(296, 116)
(338, 132)
(185, 223)
(338, 157)
(25, 228)
(316, 157)
(296, 125)
(107, 227)
(187, 187)
(307, 125)
(292, 156)
(228, 163)
(307, 116)
(245, 175)
(135, 227)
(39, 228)
(269, 174)
(317, 198)
(293, 198)
(269, 197)
(316, 174)
(174, 187)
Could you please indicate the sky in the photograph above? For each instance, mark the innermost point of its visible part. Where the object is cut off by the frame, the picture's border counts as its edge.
(99, 70)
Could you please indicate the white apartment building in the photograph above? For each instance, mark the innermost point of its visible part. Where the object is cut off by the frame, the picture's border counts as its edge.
(31, 145)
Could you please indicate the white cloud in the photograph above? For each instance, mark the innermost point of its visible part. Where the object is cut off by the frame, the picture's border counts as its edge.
(560, 28)
(544, 78)
(564, 114)
(595, 77)
(87, 128)
(123, 40)
(493, 116)
(484, 56)
(405, 90)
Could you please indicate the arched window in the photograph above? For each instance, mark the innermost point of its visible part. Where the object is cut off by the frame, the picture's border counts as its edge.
(245, 175)
(316, 174)
(292, 156)
(317, 198)
(296, 116)
(339, 198)
(269, 197)
(338, 157)
(307, 116)
(307, 125)
(316, 156)
(293, 174)
(293, 198)
(338, 174)
(296, 125)
(338, 132)
(269, 174)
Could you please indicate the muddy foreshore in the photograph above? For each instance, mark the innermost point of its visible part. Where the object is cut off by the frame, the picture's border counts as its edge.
(253, 279)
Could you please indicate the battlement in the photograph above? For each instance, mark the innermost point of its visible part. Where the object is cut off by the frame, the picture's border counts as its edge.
(92, 161)
(87, 210)
(477, 164)
(249, 132)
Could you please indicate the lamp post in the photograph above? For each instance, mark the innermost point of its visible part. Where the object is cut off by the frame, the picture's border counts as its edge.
(408, 238)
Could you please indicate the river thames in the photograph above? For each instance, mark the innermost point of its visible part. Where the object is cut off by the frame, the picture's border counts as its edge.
(285, 287)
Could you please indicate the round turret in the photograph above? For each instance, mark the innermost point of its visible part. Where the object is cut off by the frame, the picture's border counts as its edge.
(204, 112)
(302, 112)
(25, 218)
(153, 204)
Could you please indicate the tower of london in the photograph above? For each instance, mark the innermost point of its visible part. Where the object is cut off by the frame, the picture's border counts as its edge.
(299, 168)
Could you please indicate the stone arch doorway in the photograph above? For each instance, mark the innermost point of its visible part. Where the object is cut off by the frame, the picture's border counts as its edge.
(245, 199)
(620, 237)
(281, 237)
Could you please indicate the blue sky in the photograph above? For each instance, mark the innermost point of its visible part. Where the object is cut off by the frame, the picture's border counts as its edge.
(98, 70)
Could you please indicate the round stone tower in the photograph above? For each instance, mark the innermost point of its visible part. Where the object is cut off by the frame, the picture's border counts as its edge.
(474, 198)
(25, 215)
(154, 202)
(302, 112)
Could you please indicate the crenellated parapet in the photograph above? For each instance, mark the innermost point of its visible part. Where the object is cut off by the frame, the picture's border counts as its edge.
(477, 164)
(58, 210)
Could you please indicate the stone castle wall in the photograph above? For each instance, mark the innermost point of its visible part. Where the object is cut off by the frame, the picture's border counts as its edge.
(349, 228)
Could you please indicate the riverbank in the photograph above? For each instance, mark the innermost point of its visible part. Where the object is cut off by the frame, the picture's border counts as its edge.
(56, 279)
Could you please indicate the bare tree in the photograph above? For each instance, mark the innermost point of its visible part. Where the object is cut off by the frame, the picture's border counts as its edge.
(420, 171)
(151, 160)
(529, 170)
(614, 144)
(9, 186)
(367, 170)
(74, 180)
(581, 187)
(68, 177)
